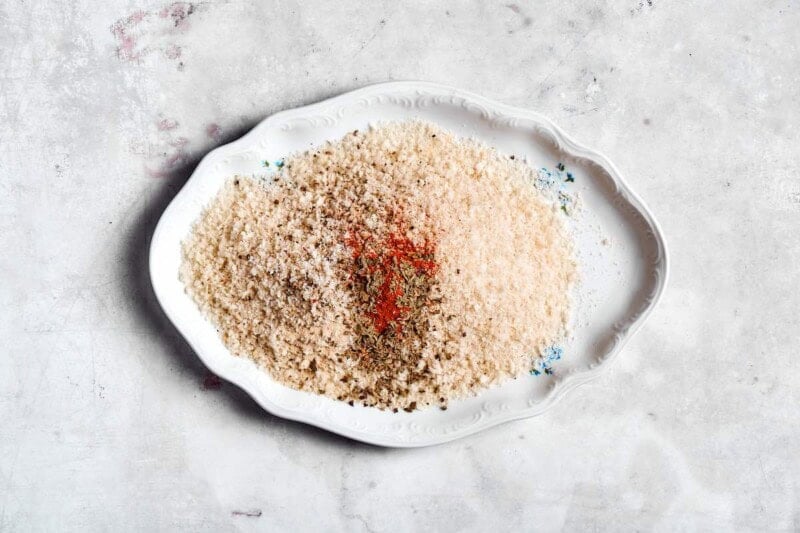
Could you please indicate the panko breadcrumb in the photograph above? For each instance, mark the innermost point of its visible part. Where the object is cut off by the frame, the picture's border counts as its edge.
(294, 270)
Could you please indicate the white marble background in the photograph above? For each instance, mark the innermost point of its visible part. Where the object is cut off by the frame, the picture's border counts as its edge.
(105, 107)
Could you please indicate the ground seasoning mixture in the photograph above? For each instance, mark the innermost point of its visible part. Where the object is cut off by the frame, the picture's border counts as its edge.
(396, 275)
(397, 268)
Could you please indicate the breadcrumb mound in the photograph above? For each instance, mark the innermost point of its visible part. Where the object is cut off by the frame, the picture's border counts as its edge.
(271, 262)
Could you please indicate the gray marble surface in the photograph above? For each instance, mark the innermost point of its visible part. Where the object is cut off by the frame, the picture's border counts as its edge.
(105, 108)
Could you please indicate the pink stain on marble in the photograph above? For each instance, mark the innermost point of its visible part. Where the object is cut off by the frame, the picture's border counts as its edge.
(137, 35)
(179, 142)
(173, 51)
(174, 161)
(167, 124)
(179, 13)
(172, 155)
(214, 131)
(158, 173)
(169, 164)
(212, 382)
(126, 42)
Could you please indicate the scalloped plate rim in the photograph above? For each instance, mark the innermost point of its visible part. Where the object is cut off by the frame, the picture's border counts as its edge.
(568, 384)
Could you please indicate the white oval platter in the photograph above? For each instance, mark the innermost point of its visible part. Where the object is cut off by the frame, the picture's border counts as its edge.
(621, 250)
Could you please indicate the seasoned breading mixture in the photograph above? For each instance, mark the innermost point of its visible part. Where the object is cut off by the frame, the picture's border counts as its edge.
(398, 267)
